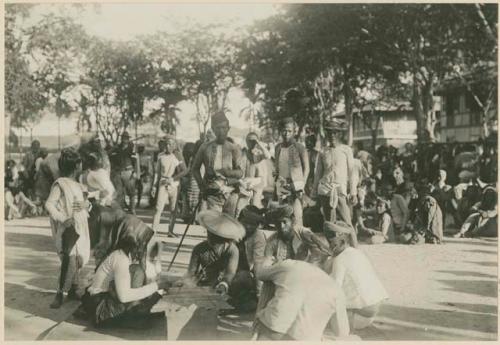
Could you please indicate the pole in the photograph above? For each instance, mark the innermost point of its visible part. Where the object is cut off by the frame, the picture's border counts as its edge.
(184, 234)
(58, 132)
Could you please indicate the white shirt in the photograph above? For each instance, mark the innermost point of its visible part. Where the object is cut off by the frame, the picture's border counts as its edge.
(167, 163)
(284, 164)
(105, 274)
(99, 180)
(304, 300)
(352, 271)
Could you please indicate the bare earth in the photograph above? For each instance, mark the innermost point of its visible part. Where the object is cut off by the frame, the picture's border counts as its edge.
(446, 292)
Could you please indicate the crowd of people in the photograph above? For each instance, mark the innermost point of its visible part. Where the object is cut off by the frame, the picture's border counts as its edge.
(277, 218)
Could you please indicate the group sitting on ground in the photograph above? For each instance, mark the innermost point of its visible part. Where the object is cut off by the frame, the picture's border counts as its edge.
(316, 205)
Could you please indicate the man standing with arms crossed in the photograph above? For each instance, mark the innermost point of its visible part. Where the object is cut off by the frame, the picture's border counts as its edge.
(170, 168)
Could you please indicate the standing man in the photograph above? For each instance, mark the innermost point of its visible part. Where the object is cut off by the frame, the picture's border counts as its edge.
(28, 162)
(313, 161)
(292, 168)
(221, 160)
(145, 168)
(335, 182)
(156, 154)
(169, 170)
(122, 160)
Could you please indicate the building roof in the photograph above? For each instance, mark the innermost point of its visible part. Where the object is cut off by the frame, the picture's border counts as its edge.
(381, 106)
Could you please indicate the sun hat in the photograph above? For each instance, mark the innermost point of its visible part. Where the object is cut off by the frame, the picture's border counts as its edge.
(221, 224)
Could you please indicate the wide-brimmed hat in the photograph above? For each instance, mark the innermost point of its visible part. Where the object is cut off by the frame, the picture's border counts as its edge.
(335, 125)
(339, 227)
(221, 224)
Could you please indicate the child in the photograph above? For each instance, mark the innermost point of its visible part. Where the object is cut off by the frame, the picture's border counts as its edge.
(384, 231)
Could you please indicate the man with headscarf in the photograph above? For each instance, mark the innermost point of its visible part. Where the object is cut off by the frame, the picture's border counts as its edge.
(28, 163)
(221, 160)
(122, 160)
(254, 169)
(352, 271)
(245, 289)
(335, 182)
(291, 168)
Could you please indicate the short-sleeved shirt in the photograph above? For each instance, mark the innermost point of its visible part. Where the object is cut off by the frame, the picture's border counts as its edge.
(168, 163)
(209, 262)
(354, 273)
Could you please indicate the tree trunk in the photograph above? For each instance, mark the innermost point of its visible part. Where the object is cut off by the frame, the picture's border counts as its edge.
(419, 112)
(430, 114)
(348, 100)
(375, 132)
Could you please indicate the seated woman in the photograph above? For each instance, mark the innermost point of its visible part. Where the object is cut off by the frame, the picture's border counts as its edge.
(120, 294)
(353, 272)
(214, 262)
(384, 231)
(482, 223)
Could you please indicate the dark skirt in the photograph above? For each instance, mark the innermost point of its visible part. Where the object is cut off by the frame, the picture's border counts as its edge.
(105, 310)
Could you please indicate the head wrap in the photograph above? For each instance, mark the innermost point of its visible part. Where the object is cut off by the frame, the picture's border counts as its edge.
(250, 215)
(278, 214)
(336, 125)
(219, 118)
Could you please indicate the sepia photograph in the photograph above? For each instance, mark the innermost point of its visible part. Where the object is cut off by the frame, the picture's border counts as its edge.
(250, 171)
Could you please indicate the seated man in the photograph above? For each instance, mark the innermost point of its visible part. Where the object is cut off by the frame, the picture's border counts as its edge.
(300, 309)
(245, 287)
(482, 223)
(214, 262)
(353, 272)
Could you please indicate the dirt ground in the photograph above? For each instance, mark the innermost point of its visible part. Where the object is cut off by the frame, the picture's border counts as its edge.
(446, 292)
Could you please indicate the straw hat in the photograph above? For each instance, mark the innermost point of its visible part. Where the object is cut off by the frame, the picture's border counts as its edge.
(221, 224)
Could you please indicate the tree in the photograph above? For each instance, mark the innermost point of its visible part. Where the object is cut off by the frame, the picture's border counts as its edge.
(167, 89)
(24, 98)
(422, 43)
(209, 68)
(55, 46)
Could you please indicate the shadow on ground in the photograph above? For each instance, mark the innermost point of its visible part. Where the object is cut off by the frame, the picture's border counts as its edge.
(429, 319)
(468, 274)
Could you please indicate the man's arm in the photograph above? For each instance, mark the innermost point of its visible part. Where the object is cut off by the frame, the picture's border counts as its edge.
(198, 159)
(181, 169)
(304, 157)
(353, 180)
(317, 176)
(232, 265)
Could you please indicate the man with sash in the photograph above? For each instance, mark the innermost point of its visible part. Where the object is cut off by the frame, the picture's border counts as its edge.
(221, 161)
(291, 169)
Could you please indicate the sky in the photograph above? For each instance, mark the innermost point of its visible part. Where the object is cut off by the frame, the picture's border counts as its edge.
(126, 21)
